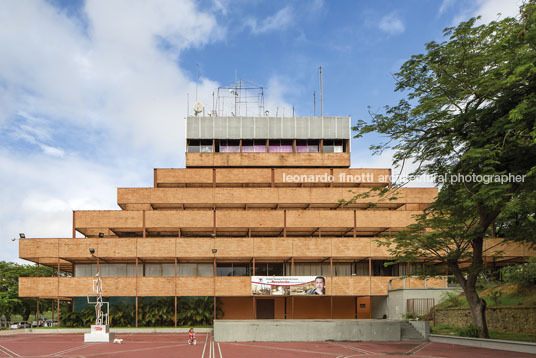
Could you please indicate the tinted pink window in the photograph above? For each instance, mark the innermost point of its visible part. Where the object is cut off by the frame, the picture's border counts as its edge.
(301, 148)
(259, 148)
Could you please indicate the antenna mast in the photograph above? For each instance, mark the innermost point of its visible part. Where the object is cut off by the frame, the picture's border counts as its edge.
(196, 79)
(321, 97)
(314, 103)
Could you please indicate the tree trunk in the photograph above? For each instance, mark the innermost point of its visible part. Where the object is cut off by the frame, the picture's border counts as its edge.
(477, 305)
(478, 311)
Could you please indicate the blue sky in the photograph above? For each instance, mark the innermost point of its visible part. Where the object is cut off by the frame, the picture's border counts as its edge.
(93, 93)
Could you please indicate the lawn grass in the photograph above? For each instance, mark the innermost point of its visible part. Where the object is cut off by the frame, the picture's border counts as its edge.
(508, 295)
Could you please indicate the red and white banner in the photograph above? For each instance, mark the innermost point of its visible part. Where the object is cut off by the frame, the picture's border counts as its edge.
(288, 285)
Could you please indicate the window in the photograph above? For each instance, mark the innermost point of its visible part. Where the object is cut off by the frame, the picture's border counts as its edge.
(254, 146)
(413, 267)
(159, 270)
(106, 270)
(199, 146)
(233, 269)
(194, 146)
(228, 146)
(307, 145)
(361, 268)
(311, 269)
(333, 146)
(195, 269)
(269, 269)
(280, 146)
(379, 268)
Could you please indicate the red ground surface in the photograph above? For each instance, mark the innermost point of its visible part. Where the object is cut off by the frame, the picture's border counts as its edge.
(175, 345)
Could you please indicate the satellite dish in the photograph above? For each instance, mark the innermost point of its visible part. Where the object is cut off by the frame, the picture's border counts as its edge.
(198, 108)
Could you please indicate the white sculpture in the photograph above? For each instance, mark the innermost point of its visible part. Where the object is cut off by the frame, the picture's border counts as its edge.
(100, 331)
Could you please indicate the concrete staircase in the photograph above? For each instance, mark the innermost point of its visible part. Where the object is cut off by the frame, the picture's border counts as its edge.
(409, 333)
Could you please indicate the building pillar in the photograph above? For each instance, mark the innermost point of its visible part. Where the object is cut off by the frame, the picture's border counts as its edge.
(74, 225)
(175, 294)
(214, 275)
(136, 288)
(331, 285)
(370, 273)
(292, 304)
(58, 310)
(37, 301)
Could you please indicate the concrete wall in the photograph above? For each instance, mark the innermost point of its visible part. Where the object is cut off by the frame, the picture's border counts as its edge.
(504, 319)
(379, 306)
(396, 300)
(306, 330)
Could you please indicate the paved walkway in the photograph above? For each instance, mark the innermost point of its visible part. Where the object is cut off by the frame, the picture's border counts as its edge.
(175, 345)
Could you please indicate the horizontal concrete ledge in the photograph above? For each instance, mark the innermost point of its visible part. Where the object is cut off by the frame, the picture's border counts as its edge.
(113, 330)
(513, 346)
(306, 330)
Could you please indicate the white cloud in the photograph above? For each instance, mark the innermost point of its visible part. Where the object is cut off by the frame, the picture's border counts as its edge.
(39, 193)
(117, 76)
(275, 94)
(489, 10)
(399, 175)
(445, 4)
(392, 24)
(89, 107)
(279, 21)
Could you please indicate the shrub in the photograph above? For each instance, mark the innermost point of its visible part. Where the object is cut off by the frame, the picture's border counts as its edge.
(524, 274)
(451, 300)
(409, 316)
(495, 297)
(471, 331)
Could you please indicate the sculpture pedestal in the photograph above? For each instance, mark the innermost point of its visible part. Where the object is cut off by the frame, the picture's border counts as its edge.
(99, 333)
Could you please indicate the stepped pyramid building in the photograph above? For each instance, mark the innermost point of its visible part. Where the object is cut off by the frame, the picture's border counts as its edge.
(252, 221)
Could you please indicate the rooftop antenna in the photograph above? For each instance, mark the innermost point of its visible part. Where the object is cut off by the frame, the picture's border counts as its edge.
(314, 103)
(321, 99)
(198, 106)
(213, 104)
(196, 79)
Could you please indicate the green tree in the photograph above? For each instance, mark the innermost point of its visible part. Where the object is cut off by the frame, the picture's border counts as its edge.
(469, 109)
(10, 302)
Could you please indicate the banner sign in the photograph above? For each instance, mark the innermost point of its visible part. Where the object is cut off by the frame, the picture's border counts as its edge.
(288, 285)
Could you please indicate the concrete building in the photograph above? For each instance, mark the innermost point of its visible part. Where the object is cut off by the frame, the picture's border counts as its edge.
(259, 197)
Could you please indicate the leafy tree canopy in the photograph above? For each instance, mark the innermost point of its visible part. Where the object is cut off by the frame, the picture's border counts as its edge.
(468, 119)
(10, 302)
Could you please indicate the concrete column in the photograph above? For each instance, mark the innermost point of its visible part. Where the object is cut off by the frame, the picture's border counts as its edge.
(137, 272)
(175, 293)
(58, 310)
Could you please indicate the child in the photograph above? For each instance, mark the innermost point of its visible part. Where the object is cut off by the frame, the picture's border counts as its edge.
(191, 337)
